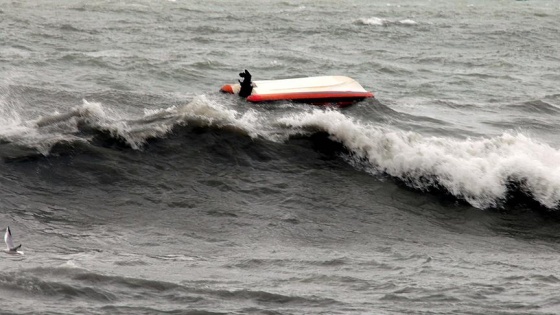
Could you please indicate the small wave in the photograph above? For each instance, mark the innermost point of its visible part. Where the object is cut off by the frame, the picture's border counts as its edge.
(265, 263)
(72, 28)
(207, 65)
(268, 297)
(34, 285)
(545, 279)
(555, 97)
(526, 123)
(376, 21)
(325, 279)
(173, 257)
(334, 262)
(132, 262)
(84, 284)
(480, 171)
(293, 6)
(255, 263)
(123, 309)
(408, 22)
(538, 106)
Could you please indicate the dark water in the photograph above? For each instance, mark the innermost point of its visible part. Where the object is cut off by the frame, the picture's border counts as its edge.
(136, 188)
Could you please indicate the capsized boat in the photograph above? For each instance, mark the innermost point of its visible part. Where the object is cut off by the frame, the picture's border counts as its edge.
(339, 90)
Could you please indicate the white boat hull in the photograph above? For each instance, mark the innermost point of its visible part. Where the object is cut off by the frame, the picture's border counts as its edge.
(316, 90)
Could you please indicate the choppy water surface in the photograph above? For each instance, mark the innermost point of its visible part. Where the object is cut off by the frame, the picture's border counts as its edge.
(136, 188)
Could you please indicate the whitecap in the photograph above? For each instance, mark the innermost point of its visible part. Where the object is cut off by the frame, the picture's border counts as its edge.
(376, 21)
(477, 170)
(372, 21)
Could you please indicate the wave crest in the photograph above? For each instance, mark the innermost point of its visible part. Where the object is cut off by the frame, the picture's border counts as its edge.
(92, 123)
(476, 170)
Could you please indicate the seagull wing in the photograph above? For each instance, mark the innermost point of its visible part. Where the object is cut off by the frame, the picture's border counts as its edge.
(8, 238)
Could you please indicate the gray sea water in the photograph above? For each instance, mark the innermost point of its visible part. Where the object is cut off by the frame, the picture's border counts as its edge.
(135, 187)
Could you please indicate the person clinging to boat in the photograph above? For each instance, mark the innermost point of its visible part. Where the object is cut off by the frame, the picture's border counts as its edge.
(246, 85)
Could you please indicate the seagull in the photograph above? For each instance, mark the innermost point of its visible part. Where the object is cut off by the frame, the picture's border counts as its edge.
(10, 243)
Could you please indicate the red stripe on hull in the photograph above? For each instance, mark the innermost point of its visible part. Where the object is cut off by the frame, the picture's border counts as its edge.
(311, 97)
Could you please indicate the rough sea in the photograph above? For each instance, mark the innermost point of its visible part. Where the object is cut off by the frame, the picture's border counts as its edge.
(136, 187)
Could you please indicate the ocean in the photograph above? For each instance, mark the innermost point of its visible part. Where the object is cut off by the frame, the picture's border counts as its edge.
(136, 187)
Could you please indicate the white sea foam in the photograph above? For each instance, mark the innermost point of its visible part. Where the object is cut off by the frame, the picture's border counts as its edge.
(477, 170)
(47, 130)
(96, 115)
(376, 21)
(156, 123)
(372, 21)
(408, 22)
(213, 113)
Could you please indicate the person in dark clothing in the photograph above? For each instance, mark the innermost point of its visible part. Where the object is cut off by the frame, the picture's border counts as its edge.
(246, 85)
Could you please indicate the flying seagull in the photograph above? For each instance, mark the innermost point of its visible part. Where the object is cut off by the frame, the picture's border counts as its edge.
(10, 243)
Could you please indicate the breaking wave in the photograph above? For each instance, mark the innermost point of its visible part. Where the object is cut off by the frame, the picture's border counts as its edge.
(480, 170)
(91, 121)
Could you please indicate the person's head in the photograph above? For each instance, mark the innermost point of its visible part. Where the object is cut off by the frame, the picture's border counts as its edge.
(245, 74)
